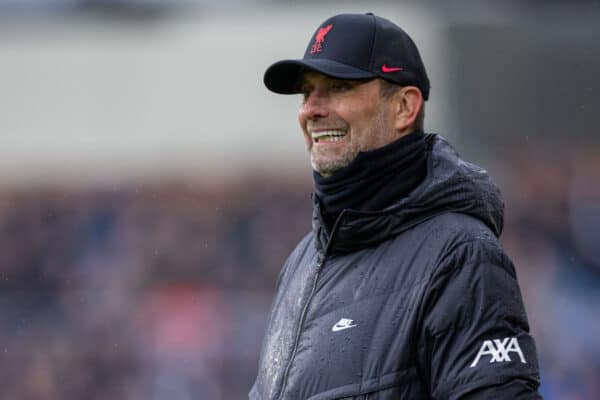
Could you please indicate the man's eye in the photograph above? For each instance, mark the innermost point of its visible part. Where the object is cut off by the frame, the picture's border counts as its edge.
(340, 87)
(305, 92)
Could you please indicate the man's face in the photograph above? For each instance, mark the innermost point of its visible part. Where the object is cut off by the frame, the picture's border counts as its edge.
(341, 118)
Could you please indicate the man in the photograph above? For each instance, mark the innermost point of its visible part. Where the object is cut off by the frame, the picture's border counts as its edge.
(401, 290)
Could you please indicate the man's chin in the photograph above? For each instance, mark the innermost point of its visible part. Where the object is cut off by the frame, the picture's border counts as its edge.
(328, 168)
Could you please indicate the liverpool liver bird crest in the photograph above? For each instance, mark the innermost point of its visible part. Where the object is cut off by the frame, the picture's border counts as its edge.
(319, 39)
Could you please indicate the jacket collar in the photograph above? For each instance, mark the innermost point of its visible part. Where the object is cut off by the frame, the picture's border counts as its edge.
(451, 185)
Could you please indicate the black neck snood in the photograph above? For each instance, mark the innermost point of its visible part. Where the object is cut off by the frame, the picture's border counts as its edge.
(375, 179)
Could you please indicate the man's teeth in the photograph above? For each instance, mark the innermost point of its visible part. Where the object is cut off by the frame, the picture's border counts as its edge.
(329, 136)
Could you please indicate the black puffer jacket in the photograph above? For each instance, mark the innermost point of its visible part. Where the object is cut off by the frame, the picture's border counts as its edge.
(417, 301)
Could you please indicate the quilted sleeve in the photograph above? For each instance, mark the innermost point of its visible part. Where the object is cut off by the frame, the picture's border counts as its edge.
(475, 341)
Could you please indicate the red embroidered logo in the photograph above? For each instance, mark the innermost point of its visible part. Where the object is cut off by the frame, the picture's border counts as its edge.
(386, 69)
(317, 47)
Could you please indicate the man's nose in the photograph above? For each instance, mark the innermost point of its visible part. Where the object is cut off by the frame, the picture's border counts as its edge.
(314, 106)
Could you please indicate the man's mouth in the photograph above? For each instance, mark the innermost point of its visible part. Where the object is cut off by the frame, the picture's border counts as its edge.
(333, 135)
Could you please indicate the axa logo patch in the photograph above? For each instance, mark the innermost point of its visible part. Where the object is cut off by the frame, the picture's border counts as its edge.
(317, 47)
(499, 351)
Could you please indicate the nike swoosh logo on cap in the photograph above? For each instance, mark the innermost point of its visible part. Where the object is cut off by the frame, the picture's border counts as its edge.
(385, 68)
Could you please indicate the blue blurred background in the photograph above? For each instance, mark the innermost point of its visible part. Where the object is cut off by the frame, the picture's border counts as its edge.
(151, 187)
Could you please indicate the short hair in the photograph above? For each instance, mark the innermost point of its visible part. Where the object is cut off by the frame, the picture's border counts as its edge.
(387, 89)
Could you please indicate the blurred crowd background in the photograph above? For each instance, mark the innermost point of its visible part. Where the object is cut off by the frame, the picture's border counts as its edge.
(151, 188)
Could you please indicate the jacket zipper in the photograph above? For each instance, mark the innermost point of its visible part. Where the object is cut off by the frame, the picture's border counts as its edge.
(320, 262)
(299, 329)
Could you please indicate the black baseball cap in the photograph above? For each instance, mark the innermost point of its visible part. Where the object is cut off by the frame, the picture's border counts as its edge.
(354, 46)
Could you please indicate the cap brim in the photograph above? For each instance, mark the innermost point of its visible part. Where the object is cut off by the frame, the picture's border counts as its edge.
(283, 76)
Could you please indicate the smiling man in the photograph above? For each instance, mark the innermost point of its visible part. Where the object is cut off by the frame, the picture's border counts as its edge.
(402, 289)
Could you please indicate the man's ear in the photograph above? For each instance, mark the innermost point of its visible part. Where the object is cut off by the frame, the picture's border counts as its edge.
(409, 101)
